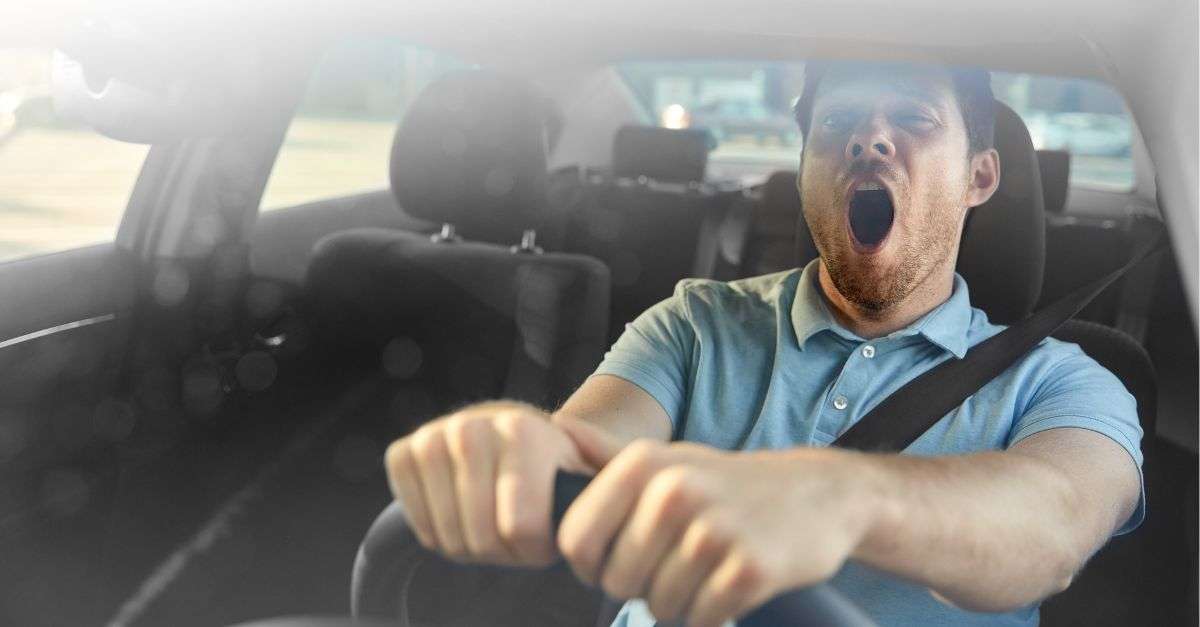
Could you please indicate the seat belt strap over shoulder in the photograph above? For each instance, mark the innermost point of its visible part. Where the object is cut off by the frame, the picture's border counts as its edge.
(902, 417)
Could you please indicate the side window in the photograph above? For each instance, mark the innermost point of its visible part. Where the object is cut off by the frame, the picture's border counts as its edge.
(1086, 118)
(340, 138)
(745, 105)
(62, 186)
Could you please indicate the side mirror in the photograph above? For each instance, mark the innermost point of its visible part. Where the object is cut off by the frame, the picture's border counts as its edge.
(140, 87)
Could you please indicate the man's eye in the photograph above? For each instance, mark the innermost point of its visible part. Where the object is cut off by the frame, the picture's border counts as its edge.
(915, 120)
(836, 121)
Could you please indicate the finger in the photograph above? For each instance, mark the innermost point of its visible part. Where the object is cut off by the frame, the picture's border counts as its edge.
(524, 484)
(472, 446)
(406, 486)
(660, 516)
(593, 520)
(680, 574)
(437, 484)
(734, 587)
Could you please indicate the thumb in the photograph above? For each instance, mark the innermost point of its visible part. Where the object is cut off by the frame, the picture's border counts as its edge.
(595, 445)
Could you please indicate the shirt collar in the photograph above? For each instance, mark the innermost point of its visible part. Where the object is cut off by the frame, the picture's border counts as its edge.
(946, 325)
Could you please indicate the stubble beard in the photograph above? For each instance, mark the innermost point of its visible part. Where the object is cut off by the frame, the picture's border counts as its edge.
(876, 290)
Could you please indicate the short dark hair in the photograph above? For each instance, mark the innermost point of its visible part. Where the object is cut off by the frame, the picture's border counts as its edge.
(972, 90)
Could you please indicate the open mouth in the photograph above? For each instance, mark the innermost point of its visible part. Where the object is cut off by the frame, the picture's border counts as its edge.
(871, 216)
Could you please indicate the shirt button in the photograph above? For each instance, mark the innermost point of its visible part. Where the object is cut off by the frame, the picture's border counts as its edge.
(840, 402)
(868, 351)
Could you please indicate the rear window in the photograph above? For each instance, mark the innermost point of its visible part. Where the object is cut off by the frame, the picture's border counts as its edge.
(747, 106)
(341, 136)
(1086, 118)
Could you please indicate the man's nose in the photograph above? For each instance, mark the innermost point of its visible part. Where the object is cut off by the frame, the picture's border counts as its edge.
(870, 142)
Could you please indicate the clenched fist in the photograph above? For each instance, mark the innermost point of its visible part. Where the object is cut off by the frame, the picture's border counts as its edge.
(707, 535)
(477, 485)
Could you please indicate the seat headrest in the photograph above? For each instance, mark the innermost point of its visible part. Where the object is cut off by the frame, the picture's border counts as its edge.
(781, 206)
(663, 154)
(1055, 168)
(1003, 248)
(471, 151)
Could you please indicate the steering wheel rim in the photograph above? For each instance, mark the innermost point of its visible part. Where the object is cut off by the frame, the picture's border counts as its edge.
(390, 557)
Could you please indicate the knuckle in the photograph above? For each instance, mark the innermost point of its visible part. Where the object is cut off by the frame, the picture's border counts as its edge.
(706, 542)
(521, 530)
(577, 550)
(428, 445)
(749, 574)
(674, 489)
(395, 455)
(464, 437)
(638, 457)
(514, 424)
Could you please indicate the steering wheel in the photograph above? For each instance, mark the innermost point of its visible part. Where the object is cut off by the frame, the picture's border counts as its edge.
(390, 556)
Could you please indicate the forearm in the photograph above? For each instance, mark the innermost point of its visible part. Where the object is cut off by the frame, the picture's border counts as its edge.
(988, 532)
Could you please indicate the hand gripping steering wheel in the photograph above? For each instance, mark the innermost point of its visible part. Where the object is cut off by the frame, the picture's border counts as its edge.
(390, 556)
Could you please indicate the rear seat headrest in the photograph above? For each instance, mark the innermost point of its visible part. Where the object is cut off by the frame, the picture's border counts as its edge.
(471, 151)
(1003, 248)
(663, 154)
(781, 209)
(1055, 168)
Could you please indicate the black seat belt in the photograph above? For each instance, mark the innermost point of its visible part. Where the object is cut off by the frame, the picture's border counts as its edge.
(901, 418)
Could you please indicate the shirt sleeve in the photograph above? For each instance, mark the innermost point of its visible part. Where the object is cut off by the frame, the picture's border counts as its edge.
(1080, 393)
(655, 353)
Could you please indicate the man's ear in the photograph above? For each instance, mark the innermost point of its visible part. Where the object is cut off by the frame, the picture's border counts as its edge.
(985, 177)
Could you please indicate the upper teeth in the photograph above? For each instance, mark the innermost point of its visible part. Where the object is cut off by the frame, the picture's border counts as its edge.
(869, 186)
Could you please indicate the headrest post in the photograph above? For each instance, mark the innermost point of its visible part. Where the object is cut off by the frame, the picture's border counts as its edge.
(446, 236)
(528, 243)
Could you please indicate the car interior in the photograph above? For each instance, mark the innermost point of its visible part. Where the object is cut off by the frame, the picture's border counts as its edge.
(193, 415)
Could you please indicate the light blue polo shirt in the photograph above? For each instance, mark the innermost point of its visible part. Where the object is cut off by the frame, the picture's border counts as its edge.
(761, 363)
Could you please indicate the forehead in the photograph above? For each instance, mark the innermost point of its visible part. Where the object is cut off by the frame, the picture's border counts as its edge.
(931, 86)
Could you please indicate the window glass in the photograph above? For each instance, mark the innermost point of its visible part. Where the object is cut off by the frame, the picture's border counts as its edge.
(339, 141)
(745, 105)
(1086, 118)
(61, 185)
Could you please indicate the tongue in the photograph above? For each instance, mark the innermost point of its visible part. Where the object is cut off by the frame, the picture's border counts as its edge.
(871, 216)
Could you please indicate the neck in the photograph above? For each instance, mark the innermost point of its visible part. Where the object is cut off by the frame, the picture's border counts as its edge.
(869, 324)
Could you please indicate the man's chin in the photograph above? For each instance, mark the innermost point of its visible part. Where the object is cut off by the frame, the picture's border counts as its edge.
(865, 280)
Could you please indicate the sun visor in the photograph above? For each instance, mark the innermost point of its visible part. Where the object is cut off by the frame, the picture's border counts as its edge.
(133, 86)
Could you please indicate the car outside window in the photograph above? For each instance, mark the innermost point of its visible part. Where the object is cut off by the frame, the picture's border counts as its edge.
(340, 138)
(746, 105)
(62, 185)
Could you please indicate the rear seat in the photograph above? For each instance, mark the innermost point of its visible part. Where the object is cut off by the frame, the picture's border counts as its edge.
(1082, 248)
(652, 219)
